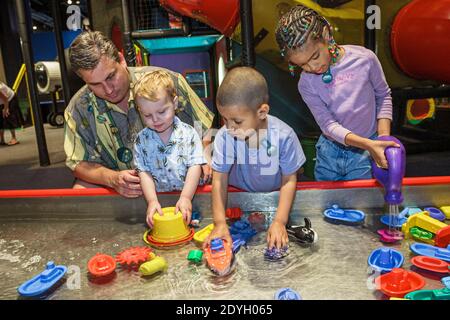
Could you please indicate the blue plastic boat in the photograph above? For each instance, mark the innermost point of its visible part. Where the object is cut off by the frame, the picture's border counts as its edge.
(385, 259)
(43, 281)
(431, 251)
(394, 221)
(287, 294)
(338, 215)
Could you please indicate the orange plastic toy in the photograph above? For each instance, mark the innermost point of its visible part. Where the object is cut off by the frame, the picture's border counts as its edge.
(101, 265)
(399, 282)
(219, 256)
(133, 256)
(233, 213)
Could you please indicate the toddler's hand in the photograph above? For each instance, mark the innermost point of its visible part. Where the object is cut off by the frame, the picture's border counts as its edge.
(153, 207)
(184, 205)
(277, 236)
(206, 174)
(220, 231)
(376, 150)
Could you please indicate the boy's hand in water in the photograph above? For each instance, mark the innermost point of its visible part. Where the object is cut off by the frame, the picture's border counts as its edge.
(277, 236)
(376, 150)
(220, 231)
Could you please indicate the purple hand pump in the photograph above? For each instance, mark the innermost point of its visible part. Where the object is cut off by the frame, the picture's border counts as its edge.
(391, 178)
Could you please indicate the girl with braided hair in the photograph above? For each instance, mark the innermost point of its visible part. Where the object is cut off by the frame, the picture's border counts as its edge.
(346, 91)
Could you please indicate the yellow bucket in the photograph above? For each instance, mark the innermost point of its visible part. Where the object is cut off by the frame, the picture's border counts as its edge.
(169, 227)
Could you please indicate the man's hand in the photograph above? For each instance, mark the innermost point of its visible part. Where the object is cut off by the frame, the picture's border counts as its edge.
(153, 208)
(127, 183)
(5, 111)
(220, 231)
(277, 236)
(206, 174)
(184, 205)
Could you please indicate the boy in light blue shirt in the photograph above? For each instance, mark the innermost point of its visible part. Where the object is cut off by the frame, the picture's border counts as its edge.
(254, 151)
(168, 152)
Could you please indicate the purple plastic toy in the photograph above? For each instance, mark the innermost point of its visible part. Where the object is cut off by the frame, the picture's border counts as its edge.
(391, 178)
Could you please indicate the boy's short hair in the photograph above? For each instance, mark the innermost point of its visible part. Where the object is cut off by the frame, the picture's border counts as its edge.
(243, 86)
(147, 87)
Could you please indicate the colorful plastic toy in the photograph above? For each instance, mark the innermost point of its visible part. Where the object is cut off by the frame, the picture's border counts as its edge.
(101, 265)
(412, 211)
(157, 264)
(431, 264)
(391, 179)
(237, 243)
(257, 218)
(446, 211)
(422, 235)
(195, 256)
(399, 282)
(390, 236)
(275, 253)
(233, 213)
(385, 259)
(201, 235)
(303, 234)
(168, 229)
(287, 294)
(393, 220)
(438, 294)
(435, 213)
(134, 256)
(423, 221)
(442, 238)
(43, 282)
(338, 215)
(430, 251)
(196, 217)
(243, 230)
(219, 256)
(446, 281)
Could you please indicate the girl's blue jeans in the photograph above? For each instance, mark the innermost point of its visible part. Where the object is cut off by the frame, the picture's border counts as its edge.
(336, 162)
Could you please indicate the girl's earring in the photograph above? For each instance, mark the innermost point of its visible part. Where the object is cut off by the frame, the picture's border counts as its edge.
(292, 70)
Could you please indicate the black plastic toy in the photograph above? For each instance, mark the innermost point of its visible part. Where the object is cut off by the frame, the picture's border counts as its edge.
(303, 234)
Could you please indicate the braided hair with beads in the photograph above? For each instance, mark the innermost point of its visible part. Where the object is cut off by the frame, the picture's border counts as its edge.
(295, 28)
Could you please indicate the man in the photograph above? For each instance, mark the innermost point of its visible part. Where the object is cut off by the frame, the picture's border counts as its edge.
(102, 121)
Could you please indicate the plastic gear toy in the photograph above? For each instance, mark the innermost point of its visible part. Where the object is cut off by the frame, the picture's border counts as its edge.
(133, 256)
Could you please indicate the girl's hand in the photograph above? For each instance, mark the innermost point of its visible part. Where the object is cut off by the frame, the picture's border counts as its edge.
(376, 150)
(153, 207)
(277, 236)
(184, 205)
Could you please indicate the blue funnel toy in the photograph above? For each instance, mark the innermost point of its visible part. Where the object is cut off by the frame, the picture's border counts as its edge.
(391, 178)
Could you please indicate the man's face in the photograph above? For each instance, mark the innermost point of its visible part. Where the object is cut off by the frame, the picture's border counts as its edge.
(158, 115)
(108, 80)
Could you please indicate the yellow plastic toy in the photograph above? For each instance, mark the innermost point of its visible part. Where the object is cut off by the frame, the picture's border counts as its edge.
(201, 235)
(446, 211)
(422, 220)
(155, 265)
(169, 229)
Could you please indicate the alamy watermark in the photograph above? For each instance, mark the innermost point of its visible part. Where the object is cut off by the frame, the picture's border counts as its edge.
(73, 22)
(374, 19)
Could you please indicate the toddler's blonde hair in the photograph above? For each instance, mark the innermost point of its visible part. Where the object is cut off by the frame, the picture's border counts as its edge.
(148, 86)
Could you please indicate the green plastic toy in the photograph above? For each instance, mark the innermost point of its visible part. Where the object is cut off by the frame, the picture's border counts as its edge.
(195, 256)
